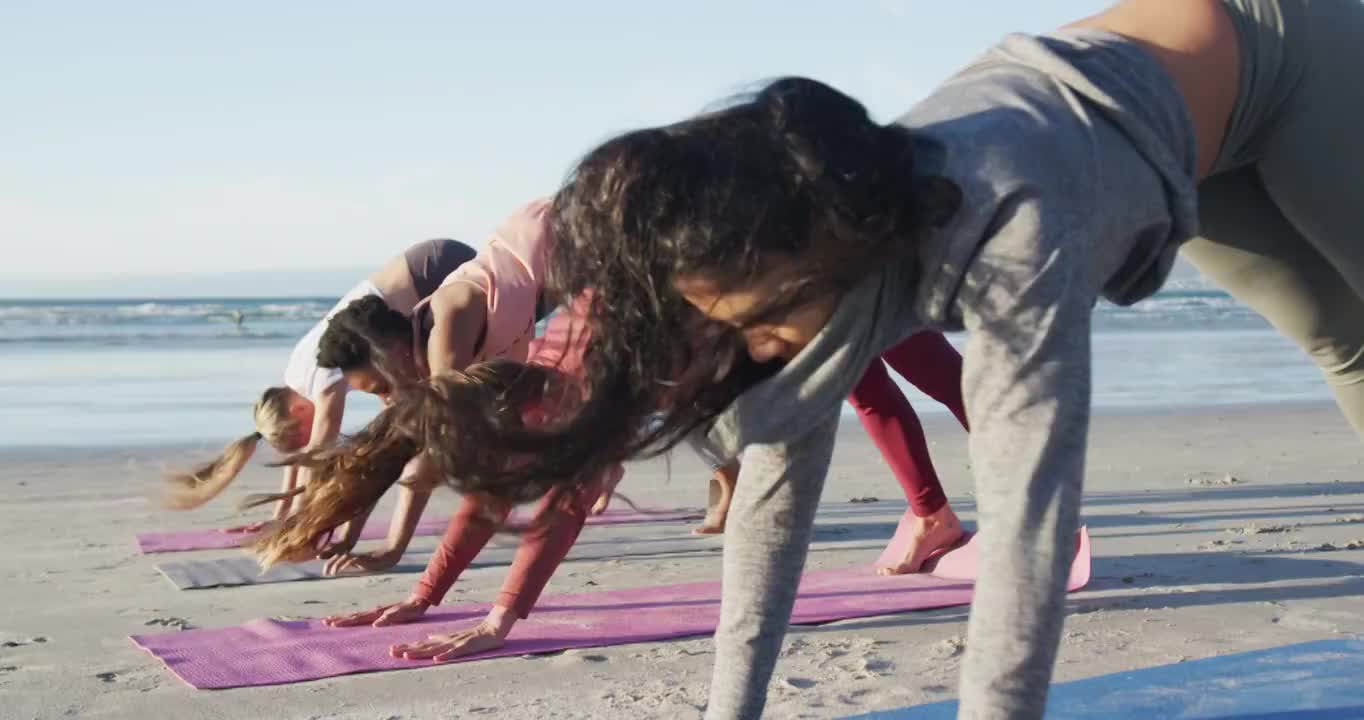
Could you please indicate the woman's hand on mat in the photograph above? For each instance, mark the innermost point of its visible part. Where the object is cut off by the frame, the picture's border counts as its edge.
(356, 563)
(488, 635)
(396, 614)
(335, 549)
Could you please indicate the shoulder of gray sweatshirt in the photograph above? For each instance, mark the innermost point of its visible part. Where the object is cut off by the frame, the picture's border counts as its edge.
(1075, 156)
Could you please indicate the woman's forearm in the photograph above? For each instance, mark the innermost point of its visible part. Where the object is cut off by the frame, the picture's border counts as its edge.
(288, 483)
(412, 499)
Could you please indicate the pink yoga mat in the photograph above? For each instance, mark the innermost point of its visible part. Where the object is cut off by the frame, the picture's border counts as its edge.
(183, 540)
(276, 652)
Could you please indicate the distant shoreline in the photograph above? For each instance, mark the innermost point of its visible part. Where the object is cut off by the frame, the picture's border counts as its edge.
(284, 283)
(290, 284)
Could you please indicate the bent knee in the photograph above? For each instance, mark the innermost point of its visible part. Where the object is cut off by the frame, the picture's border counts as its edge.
(1332, 335)
(421, 482)
(1342, 361)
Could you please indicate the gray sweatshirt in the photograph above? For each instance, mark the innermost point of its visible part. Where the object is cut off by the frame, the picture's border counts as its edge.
(1075, 155)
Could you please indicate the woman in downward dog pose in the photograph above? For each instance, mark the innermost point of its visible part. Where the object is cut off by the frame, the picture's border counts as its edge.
(305, 412)
(485, 310)
(355, 474)
(1055, 170)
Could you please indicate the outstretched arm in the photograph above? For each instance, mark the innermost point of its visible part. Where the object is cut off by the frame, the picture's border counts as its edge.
(1027, 306)
(328, 409)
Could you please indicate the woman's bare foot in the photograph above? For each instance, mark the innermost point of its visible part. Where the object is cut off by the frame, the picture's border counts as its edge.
(925, 536)
(714, 523)
(717, 507)
(710, 526)
(613, 478)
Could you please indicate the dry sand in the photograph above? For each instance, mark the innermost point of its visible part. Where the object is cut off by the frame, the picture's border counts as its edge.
(1214, 532)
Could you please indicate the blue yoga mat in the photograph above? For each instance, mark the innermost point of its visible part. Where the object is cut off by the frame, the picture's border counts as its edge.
(1319, 680)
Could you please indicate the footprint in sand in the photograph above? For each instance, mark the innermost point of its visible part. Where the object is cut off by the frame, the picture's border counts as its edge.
(854, 697)
(1214, 479)
(172, 622)
(796, 683)
(20, 643)
(576, 655)
(1331, 547)
(876, 666)
(1262, 529)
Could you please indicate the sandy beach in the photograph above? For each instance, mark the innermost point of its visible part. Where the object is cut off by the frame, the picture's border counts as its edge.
(1214, 531)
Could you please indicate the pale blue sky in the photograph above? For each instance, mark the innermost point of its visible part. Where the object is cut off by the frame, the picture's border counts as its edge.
(188, 136)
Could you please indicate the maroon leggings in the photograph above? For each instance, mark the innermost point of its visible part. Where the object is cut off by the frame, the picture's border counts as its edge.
(931, 364)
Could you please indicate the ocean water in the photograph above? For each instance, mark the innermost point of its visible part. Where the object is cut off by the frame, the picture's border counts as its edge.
(142, 371)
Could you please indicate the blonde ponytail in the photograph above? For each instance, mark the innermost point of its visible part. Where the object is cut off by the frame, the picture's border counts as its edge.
(274, 424)
(190, 490)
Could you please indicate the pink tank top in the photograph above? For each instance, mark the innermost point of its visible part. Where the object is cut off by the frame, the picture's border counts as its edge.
(510, 270)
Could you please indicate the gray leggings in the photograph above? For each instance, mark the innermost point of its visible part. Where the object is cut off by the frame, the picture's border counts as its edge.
(1283, 215)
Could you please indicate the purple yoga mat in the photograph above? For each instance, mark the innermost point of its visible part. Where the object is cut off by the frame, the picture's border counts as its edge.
(211, 539)
(276, 652)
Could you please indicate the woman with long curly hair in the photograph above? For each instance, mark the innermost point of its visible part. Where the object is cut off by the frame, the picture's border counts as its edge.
(749, 264)
(445, 418)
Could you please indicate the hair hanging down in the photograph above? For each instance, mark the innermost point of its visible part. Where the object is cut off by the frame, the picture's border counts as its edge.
(795, 175)
(454, 416)
(273, 423)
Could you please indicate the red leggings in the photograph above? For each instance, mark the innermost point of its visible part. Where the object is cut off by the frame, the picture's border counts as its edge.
(554, 528)
(931, 364)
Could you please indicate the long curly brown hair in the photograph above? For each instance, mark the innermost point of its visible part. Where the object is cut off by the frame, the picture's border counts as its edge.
(796, 175)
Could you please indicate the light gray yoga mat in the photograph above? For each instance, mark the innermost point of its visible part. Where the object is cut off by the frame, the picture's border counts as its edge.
(243, 570)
